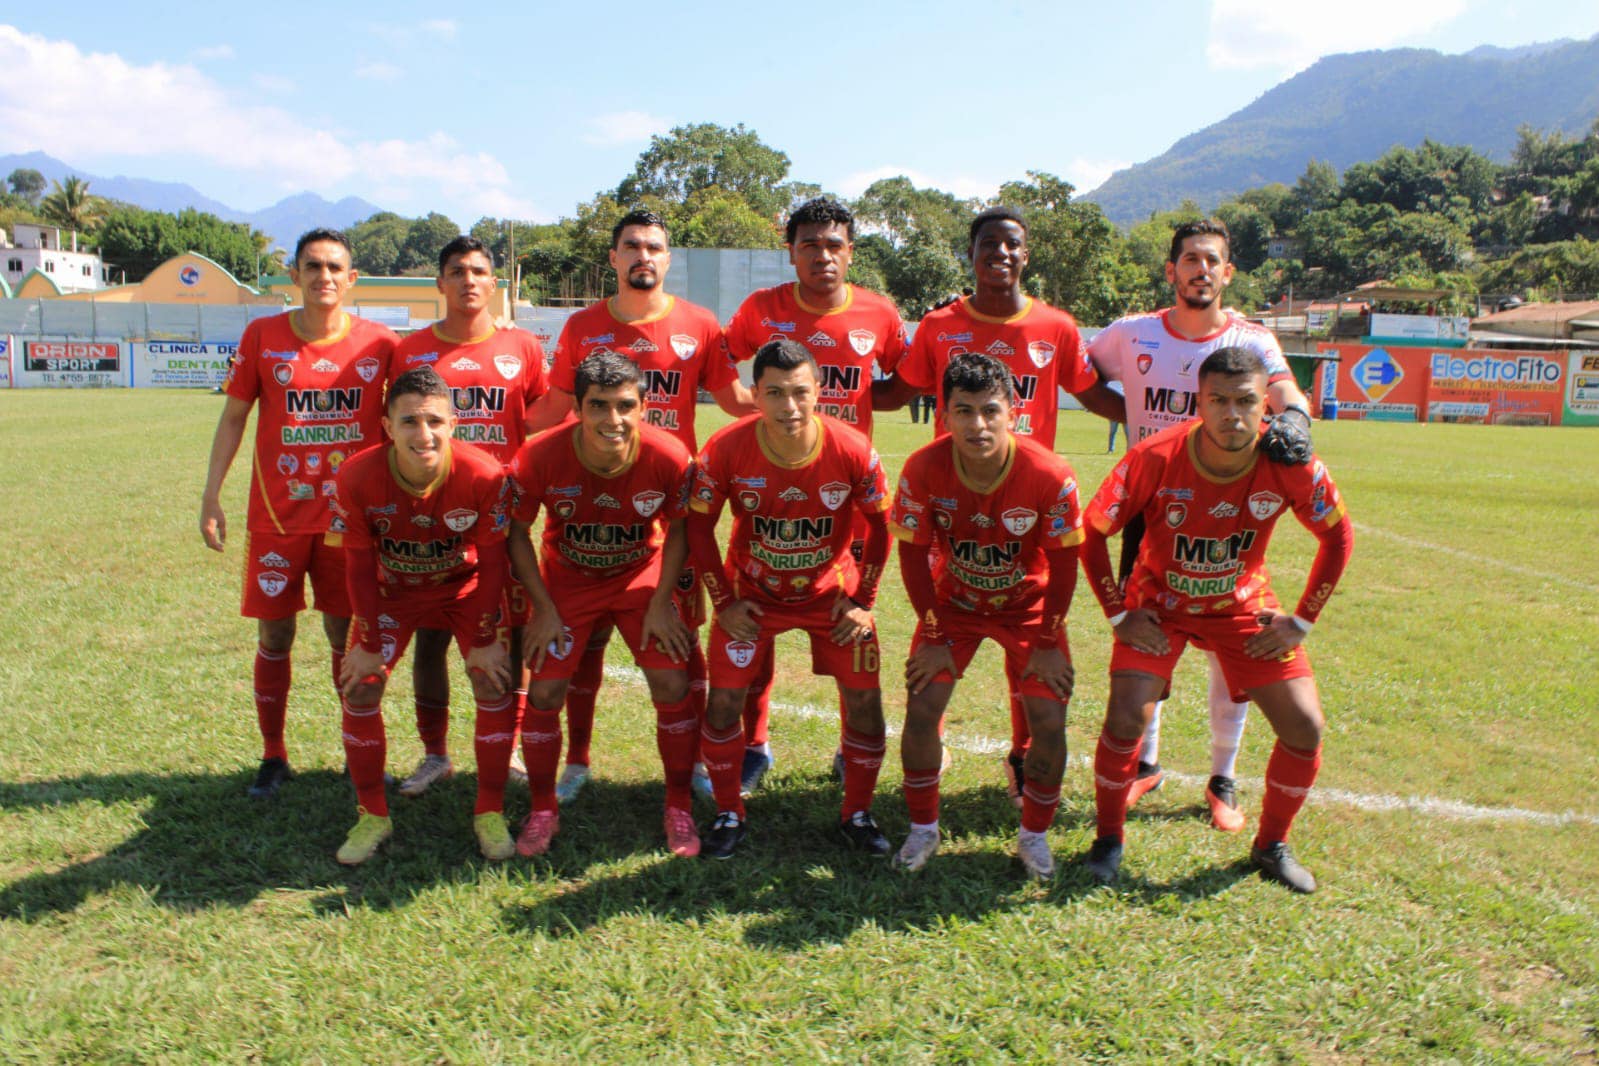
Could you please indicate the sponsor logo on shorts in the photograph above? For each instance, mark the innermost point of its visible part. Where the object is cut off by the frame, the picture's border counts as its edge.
(1265, 504)
(684, 345)
(1040, 352)
(647, 503)
(273, 559)
(561, 646)
(272, 582)
(1223, 509)
(910, 522)
(833, 494)
(1019, 520)
(368, 369)
(508, 365)
(863, 341)
(741, 653)
(390, 648)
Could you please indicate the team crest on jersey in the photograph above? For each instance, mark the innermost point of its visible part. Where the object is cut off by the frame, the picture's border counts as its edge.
(368, 369)
(561, 646)
(1264, 504)
(942, 518)
(565, 508)
(325, 366)
(647, 503)
(834, 493)
(287, 464)
(792, 494)
(391, 648)
(274, 560)
(460, 520)
(1019, 520)
(508, 365)
(820, 340)
(1040, 352)
(684, 345)
(272, 582)
(863, 341)
(1223, 509)
(465, 363)
(1144, 361)
(1175, 513)
(605, 499)
(381, 525)
(741, 653)
(749, 499)
(283, 373)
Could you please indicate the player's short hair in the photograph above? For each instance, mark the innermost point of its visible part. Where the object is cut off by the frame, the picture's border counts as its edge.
(465, 244)
(781, 354)
(977, 373)
(606, 370)
(639, 216)
(819, 211)
(322, 233)
(1199, 227)
(997, 213)
(423, 381)
(1232, 361)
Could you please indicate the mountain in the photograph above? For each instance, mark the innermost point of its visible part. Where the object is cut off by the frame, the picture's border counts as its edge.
(1351, 108)
(283, 221)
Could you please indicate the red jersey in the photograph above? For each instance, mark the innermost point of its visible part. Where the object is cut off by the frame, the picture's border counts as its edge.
(1204, 547)
(493, 381)
(600, 526)
(991, 544)
(791, 532)
(1040, 344)
(320, 401)
(680, 351)
(427, 541)
(844, 341)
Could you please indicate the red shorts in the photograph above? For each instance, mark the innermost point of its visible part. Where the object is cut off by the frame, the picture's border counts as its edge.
(735, 664)
(965, 631)
(1225, 636)
(585, 603)
(276, 566)
(403, 615)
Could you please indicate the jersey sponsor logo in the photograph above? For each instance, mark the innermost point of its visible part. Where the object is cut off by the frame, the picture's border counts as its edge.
(422, 520)
(705, 493)
(272, 582)
(1144, 362)
(336, 524)
(466, 363)
(1179, 403)
(661, 386)
(420, 556)
(642, 346)
(478, 401)
(566, 490)
(820, 340)
(792, 494)
(749, 499)
(1264, 504)
(301, 490)
(605, 499)
(460, 519)
(964, 337)
(804, 532)
(684, 345)
(1019, 520)
(508, 365)
(602, 338)
(781, 327)
(314, 405)
(325, 366)
(289, 355)
(1040, 352)
(287, 464)
(648, 502)
(982, 521)
(863, 341)
(313, 462)
(839, 380)
(565, 508)
(274, 560)
(750, 482)
(1175, 494)
(1000, 348)
(283, 373)
(1175, 513)
(336, 460)
(1223, 509)
(833, 494)
(330, 488)
(368, 368)
(741, 653)
(1211, 555)
(421, 357)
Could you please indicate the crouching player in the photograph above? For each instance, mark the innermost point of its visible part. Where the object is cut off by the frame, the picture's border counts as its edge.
(424, 531)
(1002, 514)
(794, 480)
(613, 490)
(1209, 505)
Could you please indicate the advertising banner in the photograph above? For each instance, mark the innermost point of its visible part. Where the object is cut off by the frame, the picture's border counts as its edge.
(181, 364)
(8, 345)
(1582, 389)
(71, 364)
(1419, 329)
(1381, 384)
(1500, 387)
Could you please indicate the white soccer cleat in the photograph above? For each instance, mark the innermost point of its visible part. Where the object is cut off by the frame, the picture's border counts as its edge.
(919, 846)
(1033, 850)
(573, 777)
(431, 769)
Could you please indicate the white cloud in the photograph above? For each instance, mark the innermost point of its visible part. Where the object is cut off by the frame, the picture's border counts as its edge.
(101, 105)
(1089, 174)
(625, 127)
(439, 27)
(963, 186)
(214, 51)
(1276, 35)
(378, 71)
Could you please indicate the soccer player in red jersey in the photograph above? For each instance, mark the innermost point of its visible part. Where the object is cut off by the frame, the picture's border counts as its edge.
(1003, 512)
(496, 377)
(846, 329)
(1040, 344)
(613, 490)
(1157, 356)
(793, 479)
(424, 522)
(680, 348)
(1209, 506)
(318, 374)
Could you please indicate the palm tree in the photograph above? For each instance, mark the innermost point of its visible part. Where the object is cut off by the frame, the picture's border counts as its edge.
(69, 204)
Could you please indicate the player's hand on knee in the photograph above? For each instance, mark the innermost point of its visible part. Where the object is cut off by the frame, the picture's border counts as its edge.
(1278, 636)
(741, 620)
(852, 622)
(665, 628)
(489, 667)
(1287, 439)
(926, 663)
(1053, 668)
(361, 668)
(544, 633)
(1141, 631)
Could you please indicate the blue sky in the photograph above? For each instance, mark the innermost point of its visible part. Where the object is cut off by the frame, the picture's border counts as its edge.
(527, 112)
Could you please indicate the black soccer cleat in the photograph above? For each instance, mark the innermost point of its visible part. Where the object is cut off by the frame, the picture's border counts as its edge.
(726, 833)
(1105, 860)
(860, 832)
(269, 778)
(1276, 863)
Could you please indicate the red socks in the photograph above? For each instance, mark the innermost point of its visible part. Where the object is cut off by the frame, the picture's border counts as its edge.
(272, 675)
(723, 755)
(365, 752)
(581, 695)
(491, 742)
(1039, 802)
(863, 758)
(541, 751)
(1290, 772)
(921, 794)
(1115, 767)
(677, 739)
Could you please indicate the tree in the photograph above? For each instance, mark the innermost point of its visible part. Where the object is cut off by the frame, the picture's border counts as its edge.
(377, 242)
(1317, 188)
(138, 241)
(898, 211)
(424, 237)
(1076, 259)
(70, 205)
(692, 159)
(27, 183)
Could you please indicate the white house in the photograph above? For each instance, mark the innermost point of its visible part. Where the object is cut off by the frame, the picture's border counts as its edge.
(32, 247)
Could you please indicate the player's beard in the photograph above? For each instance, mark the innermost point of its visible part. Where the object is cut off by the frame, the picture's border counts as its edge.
(642, 281)
(1200, 303)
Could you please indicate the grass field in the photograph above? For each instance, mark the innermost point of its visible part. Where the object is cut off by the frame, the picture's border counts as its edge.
(149, 911)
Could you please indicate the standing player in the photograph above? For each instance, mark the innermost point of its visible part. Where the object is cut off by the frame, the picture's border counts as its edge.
(318, 373)
(1156, 357)
(1003, 513)
(495, 377)
(846, 329)
(1209, 506)
(424, 530)
(1041, 346)
(680, 349)
(613, 491)
(793, 479)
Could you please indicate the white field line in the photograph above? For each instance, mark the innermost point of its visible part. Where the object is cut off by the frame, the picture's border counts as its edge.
(1472, 557)
(1366, 802)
